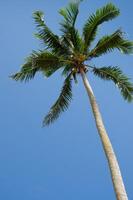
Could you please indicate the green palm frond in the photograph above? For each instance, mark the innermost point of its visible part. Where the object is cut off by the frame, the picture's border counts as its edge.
(51, 40)
(48, 62)
(103, 14)
(72, 38)
(71, 35)
(26, 73)
(126, 46)
(110, 42)
(67, 69)
(62, 102)
(120, 79)
(70, 13)
(45, 62)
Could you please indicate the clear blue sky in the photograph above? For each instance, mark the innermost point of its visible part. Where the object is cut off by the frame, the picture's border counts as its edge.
(66, 160)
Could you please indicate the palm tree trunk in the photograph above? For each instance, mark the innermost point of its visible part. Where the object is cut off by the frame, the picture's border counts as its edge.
(109, 152)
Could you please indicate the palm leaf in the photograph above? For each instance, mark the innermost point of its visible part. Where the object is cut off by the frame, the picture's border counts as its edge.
(67, 69)
(120, 79)
(61, 104)
(26, 73)
(72, 39)
(70, 13)
(104, 14)
(71, 35)
(45, 62)
(49, 38)
(126, 46)
(70, 69)
(110, 42)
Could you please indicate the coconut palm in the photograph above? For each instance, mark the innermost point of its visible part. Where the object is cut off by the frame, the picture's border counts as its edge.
(72, 53)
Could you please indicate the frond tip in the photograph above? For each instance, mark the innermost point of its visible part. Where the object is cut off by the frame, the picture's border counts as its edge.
(70, 13)
(26, 73)
(120, 79)
(61, 104)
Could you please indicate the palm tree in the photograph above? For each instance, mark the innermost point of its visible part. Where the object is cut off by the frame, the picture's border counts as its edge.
(72, 53)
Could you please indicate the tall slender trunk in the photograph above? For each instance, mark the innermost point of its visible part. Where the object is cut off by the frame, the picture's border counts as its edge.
(109, 152)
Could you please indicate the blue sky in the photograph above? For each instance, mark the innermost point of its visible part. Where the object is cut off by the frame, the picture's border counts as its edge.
(66, 160)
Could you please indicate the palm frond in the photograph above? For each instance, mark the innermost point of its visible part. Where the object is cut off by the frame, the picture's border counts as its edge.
(48, 62)
(71, 35)
(70, 13)
(62, 102)
(26, 73)
(126, 46)
(43, 61)
(110, 42)
(103, 14)
(120, 79)
(51, 40)
(72, 38)
(67, 69)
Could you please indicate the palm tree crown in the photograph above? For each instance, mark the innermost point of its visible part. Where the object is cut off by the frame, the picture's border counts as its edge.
(70, 51)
